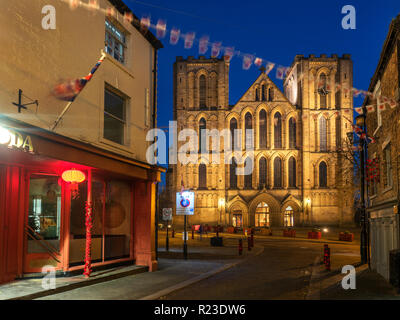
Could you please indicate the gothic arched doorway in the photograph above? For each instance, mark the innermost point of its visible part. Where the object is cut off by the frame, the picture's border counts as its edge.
(288, 217)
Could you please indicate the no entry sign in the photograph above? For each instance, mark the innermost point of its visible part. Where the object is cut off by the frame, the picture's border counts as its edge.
(185, 203)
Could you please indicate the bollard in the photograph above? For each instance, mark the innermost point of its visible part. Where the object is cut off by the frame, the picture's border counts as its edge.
(173, 233)
(328, 259)
(252, 240)
(325, 253)
(248, 243)
(192, 234)
(240, 247)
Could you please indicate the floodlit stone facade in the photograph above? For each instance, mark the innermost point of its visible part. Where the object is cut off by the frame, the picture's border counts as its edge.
(298, 176)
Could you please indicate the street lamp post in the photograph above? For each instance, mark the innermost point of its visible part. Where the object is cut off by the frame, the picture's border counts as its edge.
(360, 121)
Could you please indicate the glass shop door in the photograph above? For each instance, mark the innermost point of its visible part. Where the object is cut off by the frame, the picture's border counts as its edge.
(43, 224)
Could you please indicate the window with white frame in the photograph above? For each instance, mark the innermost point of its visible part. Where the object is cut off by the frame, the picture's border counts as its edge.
(115, 42)
(114, 116)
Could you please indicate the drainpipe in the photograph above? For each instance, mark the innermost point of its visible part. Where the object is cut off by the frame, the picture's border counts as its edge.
(155, 71)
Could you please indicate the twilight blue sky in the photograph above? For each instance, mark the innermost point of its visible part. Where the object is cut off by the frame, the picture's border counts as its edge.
(273, 30)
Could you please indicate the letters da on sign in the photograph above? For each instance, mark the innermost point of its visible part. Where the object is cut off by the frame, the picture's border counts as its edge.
(14, 139)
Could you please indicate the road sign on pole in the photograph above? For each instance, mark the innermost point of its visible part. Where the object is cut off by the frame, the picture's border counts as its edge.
(167, 214)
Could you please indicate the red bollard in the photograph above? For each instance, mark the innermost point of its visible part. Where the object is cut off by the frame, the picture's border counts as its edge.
(192, 234)
(328, 260)
(240, 247)
(248, 243)
(173, 233)
(325, 253)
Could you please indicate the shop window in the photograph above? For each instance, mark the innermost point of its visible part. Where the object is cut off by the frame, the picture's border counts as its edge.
(115, 42)
(44, 217)
(262, 215)
(117, 222)
(114, 116)
(111, 218)
(288, 219)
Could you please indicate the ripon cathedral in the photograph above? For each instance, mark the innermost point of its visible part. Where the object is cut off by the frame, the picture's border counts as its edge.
(299, 176)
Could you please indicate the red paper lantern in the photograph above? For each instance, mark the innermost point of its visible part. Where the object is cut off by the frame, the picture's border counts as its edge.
(73, 176)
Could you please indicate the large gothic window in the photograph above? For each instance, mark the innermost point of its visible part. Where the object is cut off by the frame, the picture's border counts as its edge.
(292, 172)
(322, 91)
(262, 172)
(248, 126)
(323, 175)
(203, 91)
(263, 129)
(202, 135)
(323, 135)
(232, 174)
(277, 173)
(248, 178)
(292, 133)
(277, 130)
(233, 126)
(202, 176)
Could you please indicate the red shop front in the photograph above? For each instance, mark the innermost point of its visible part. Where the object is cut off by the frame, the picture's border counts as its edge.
(42, 214)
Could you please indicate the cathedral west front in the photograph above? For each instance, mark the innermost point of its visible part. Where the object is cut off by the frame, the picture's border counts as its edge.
(299, 175)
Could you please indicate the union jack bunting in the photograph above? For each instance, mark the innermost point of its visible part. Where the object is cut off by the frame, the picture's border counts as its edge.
(258, 62)
(73, 4)
(370, 108)
(161, 28)
(189, 38)
(247, 61)
(269, 67)
(229, 52)
(203, 44)
(145, 23)
(215, 49)
(359, 110)
(110, 12)
(70, 89)
(128, 17)
(174, 36)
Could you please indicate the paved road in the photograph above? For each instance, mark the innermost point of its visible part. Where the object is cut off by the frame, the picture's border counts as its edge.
(282, 271)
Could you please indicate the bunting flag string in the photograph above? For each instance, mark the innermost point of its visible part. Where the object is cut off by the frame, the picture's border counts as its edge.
(229, 52)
